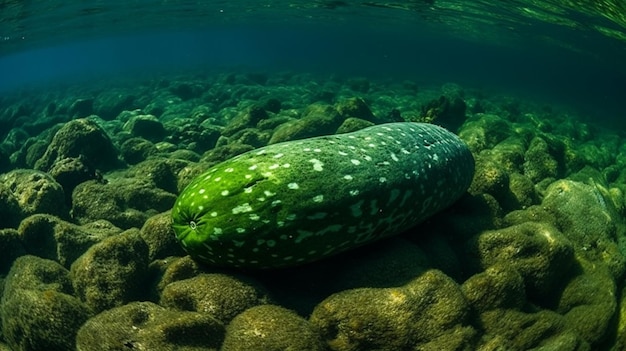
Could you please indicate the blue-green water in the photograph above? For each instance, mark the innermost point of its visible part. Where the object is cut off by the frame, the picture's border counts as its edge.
(498, 46)
(108, 110)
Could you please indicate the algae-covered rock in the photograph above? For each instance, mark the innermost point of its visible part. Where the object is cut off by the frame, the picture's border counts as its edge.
(171, 269)
(221, 296)
(391, 318)
(484, 131)
(42, 320)
(158, 234)
(35, 273)
(10, 210)
(357, 108)
(540, 253)
(11, 248)
(125, 202)
(248, 118)
(38, 310)
(135, 150)
(489, 177)
(511, 189)
(80, 137)
(540, 161)
(448, 111)
(271, 104)
(81, 108)
(509, 153)
(588, 303)
(193, 136)
(112, 272)
(162, 172)
(50, 237)
(146, 326)
(71, 171)
(590, 221)
(506, 329)
(36, 192)
(317, 119)
(499, 286)
(145, 126)
(251, 136)
(270, 327)
(523, 192)
(224, 152)
(352, 124)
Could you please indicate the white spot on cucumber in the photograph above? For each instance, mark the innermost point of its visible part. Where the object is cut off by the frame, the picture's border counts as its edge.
(242, 208)
(293, 186)
(317, 164)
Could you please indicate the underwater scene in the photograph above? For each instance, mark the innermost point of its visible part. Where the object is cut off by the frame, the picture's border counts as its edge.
(313, 175)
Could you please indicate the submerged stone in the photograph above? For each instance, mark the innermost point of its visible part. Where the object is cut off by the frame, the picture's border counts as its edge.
(148, 326)
(270, 327)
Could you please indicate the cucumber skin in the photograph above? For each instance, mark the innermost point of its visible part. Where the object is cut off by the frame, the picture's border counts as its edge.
(299, 201)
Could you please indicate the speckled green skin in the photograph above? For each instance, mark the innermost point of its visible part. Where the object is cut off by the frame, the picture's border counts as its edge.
(300, 201)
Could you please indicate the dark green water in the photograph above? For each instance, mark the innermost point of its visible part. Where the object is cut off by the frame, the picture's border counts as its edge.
(108, 110)
(570, 51)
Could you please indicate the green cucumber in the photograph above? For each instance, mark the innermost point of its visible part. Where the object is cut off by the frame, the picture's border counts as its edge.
(299, 201)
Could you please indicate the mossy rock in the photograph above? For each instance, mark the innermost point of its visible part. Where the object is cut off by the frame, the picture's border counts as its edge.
(148, 326)
(270, 327)
(112, 272)
(221, 296)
